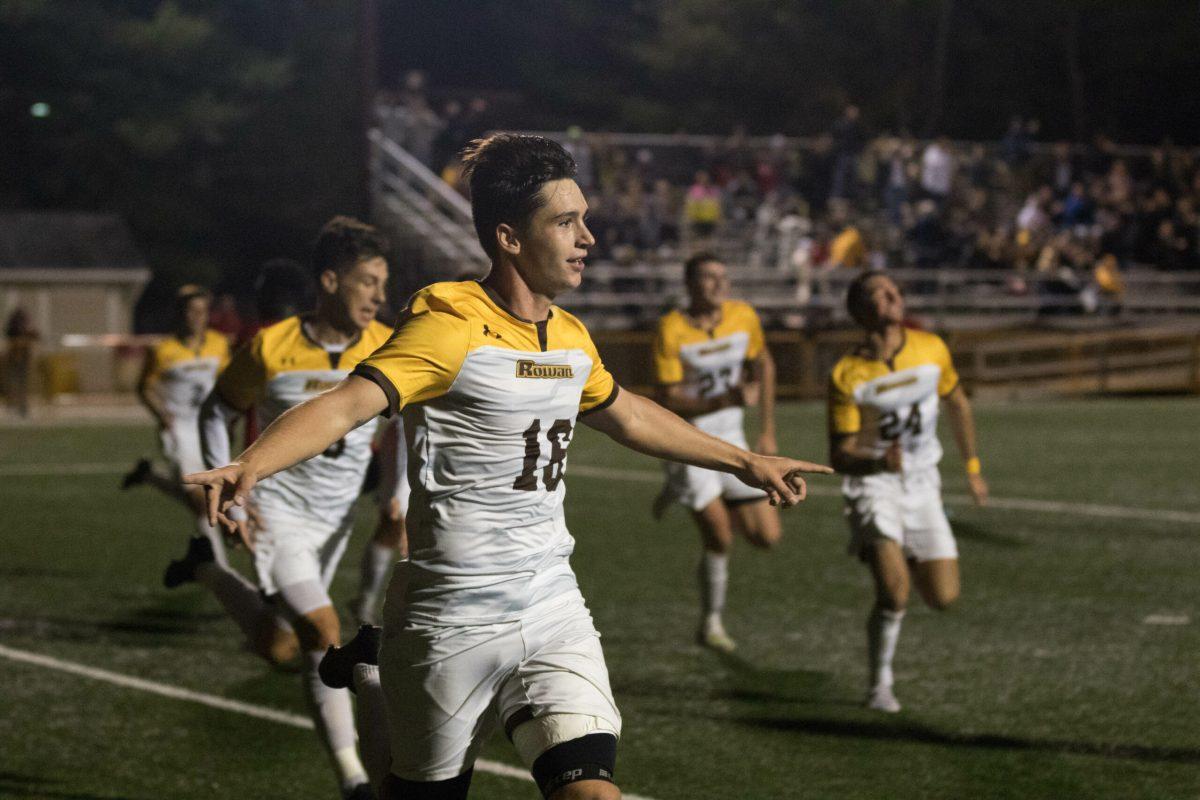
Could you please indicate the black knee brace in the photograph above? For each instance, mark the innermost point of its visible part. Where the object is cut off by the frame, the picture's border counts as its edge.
(588, 758)
(395, 788)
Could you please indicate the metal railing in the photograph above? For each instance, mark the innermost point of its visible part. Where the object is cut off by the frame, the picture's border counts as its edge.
(427, 216)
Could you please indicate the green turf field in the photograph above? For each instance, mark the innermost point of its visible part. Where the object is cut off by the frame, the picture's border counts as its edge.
(1046, 681)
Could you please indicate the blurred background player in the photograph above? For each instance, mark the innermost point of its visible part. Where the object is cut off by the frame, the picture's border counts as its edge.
(178, 374)
(711, 361)
(303, 516)
(389, 542)
(883, 413)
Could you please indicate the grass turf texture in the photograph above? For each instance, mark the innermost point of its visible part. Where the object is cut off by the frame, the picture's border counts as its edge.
(1044, 682)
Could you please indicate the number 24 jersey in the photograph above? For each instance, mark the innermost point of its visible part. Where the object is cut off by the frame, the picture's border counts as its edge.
(897, 400)
(490, 403)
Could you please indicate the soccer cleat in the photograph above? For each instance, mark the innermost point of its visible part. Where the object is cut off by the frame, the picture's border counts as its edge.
(137, 476)
(337, 665)
(881, 699)
(362, 791)
(183, 570)
(714, 637)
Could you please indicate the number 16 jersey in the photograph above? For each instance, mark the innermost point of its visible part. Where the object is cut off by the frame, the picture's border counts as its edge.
(490, 403)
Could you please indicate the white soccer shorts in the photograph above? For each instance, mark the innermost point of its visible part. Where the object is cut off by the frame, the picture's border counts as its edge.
(906, 508)
(696, 488)
(292, 548)
(447, 688)
(180, 443)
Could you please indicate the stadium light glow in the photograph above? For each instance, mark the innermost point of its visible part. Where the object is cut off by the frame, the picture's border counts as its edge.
(39, 110)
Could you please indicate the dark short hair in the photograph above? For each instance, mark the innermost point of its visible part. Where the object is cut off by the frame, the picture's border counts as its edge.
(857, 296)
(693, 264)
(187, 293)
(282, 289)
(505, 173)
(343, 242)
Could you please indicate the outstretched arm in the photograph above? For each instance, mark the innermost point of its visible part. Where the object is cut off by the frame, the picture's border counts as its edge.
(962, 422)
(296, 435)
(643, 425)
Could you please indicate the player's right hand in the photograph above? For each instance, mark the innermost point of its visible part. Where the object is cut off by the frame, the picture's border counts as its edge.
(224, 487)
(893, 459)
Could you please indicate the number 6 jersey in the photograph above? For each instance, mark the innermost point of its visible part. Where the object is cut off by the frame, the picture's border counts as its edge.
(281, 367)
(490, 403)
(896, 400)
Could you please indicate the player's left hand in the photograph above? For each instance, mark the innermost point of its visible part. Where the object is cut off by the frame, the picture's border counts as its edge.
(978, 488)
(766, 445)
(246, 524)
(780, 478)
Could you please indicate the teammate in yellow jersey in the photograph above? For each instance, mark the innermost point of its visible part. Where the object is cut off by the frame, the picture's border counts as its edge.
(484, 625)
(883, 411)
(303, 516)
(711, 360)
(177, 375)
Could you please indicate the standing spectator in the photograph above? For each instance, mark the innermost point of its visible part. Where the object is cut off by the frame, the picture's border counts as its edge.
(702, 208)
(848, 140)
(22, 338)
(937, 171)
(1014, 147)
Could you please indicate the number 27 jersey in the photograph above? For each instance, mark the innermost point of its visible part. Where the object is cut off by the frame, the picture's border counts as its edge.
(490, 403)
(897, 400)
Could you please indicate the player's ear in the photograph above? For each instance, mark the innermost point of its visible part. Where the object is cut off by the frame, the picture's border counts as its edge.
(329, 281)
(507, 240)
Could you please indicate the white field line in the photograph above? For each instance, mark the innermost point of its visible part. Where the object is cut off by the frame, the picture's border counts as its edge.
(651, 476)
(222, 703)
(1005, 503)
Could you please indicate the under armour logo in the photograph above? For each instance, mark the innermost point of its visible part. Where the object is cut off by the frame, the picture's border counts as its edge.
(489, 332)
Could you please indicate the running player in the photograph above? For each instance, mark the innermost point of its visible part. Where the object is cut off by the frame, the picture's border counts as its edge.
(484, 624)
(711, 360)
(883, 412)
(178, 374)
(303, 516)
(389, 541)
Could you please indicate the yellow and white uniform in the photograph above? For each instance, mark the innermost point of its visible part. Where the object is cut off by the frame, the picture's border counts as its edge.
(183, 377)
(708, 363)
(485, 622)
(886, 401)
(306, 510)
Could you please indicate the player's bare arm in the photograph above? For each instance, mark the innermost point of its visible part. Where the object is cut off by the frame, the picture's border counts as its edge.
(296, 435)
(962, 422)
(848, 457)
(764, 370)
(148, 393)
(643, 425)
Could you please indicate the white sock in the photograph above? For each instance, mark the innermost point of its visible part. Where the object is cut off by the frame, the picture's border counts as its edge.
(334, 716)
(883, 631)
(714, 580)
(374, 739)
(377, 559)
(240, 599)
(213, 534)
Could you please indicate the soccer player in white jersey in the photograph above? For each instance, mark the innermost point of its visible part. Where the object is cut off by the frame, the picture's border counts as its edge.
(303, 515)
(710, 360)
(389, 541)
(177, 375)
(883, 413)
(484, 624)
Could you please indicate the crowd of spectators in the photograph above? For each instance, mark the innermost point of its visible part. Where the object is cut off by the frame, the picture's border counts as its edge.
(1072, 215)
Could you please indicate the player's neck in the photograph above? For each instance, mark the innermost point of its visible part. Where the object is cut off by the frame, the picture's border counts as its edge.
(327, 326)
(886, 342)
(192, 341)
(516, 295)
(706, 315)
